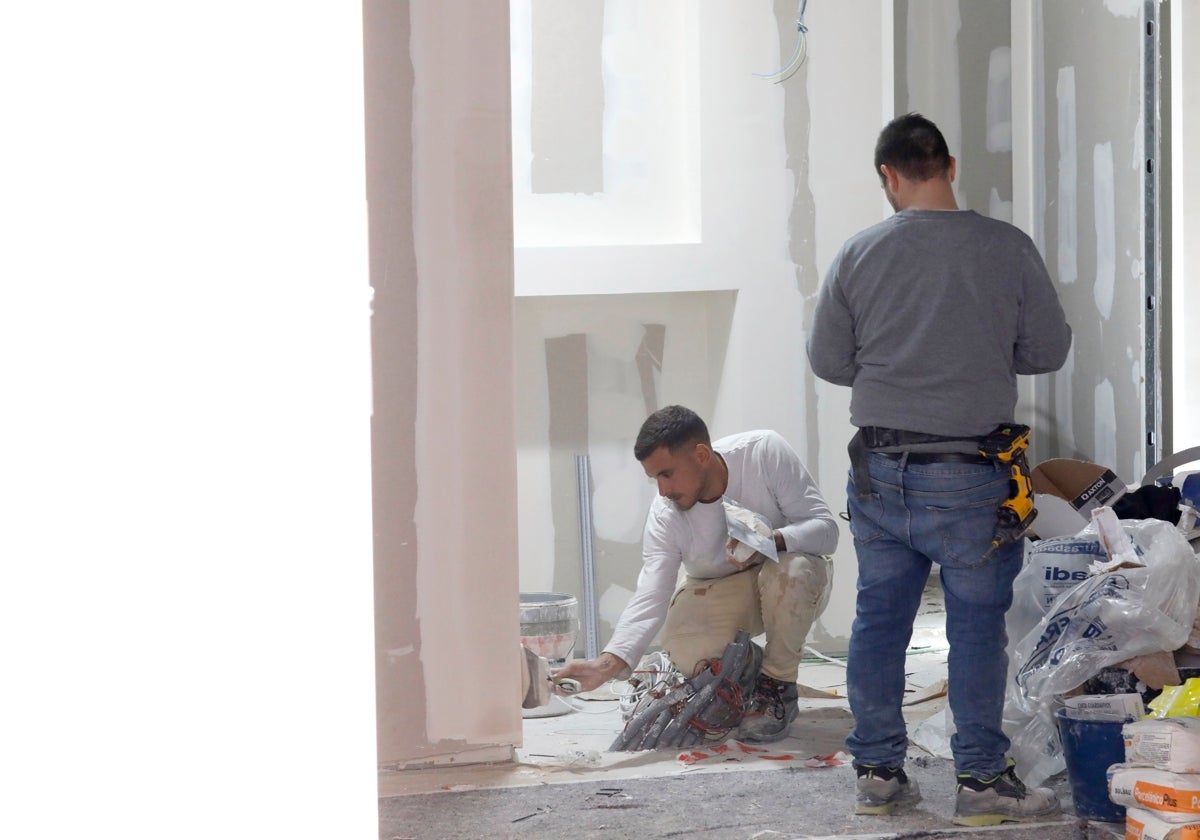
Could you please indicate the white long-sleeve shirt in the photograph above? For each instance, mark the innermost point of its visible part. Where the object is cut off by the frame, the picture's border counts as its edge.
(765, 476)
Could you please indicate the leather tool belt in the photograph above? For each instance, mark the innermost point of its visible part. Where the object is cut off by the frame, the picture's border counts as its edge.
(868, 438)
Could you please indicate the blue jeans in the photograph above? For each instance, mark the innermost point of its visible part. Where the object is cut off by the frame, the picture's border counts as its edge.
(917, 515)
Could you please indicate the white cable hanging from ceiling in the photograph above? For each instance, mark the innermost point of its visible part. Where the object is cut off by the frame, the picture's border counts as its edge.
(798, 54)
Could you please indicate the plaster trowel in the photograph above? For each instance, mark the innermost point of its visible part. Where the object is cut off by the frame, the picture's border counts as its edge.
(748, 528)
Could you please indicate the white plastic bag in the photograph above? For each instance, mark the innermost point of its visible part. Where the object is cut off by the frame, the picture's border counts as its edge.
(1112, 617)
(1101, 621)
(1052, 566)
(1035, 745)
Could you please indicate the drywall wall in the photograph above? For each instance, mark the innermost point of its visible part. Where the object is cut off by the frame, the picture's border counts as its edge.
(725, 265)
(848, 87)
(954, 65)
(591, 367)
(1087, 213)
(443, 451)
(1092, 216)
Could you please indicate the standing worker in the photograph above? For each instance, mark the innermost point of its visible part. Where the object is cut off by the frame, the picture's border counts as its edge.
(929, 316)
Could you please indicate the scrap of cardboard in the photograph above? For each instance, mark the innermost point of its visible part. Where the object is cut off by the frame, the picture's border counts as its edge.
(1067, 491)
(1083, 484)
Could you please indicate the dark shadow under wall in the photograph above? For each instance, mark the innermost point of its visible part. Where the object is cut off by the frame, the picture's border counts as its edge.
(568, 435)
(802, 220)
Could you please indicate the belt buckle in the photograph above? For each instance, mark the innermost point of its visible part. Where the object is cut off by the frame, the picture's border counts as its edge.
(880, 438)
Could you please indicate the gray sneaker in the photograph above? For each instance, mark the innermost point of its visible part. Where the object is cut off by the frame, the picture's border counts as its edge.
(1002, 798)
(769, 711)
(881, 790)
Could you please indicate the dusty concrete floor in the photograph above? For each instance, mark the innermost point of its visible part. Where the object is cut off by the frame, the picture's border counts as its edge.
(767, 804)
(564, 783)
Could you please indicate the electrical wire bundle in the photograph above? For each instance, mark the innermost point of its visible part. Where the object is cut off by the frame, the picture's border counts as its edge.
(799, 54)
(654, 673)
(704, 707)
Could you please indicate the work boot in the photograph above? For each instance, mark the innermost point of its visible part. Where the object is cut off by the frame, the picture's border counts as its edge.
(769, 711)
(880, 790)
(1001, 798)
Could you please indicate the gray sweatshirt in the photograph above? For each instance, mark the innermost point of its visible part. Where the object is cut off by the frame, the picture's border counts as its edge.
(930, 315)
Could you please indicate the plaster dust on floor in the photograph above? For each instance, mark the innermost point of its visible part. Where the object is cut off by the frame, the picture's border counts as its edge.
(564, 782)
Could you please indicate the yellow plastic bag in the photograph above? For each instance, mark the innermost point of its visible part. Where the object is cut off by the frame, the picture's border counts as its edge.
(1177, 700)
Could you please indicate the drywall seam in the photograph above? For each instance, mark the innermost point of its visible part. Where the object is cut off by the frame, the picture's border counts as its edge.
(1068, 179)
(1104, 210)
(999, 100)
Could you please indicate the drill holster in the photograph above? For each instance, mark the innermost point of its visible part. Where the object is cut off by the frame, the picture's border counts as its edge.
(1006, 445)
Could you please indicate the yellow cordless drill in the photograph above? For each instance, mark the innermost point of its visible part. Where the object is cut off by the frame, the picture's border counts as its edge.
(1006, 445)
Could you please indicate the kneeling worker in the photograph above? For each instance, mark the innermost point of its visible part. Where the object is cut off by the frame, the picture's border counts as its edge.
(725, 591)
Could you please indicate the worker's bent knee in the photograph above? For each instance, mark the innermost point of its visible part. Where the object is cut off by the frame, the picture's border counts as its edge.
(705, 616)
(690, 653)
(801, 580)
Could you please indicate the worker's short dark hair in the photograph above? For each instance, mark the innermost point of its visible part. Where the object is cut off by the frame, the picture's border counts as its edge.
(672, 427)
(914, 147)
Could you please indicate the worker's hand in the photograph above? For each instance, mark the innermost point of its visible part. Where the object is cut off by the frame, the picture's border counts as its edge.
(592, 673)
(741, 556)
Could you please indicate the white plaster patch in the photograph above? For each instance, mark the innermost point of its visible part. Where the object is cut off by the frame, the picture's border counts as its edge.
(1124, 8)
(1065, 417)
(1105, 452)
(999, 101)
(998, 208)
(396, 653)
(1137, 375)
(1104, 207)
(616, 402)
(621, 492)
(1068, 179)
(1138, 160)
(612, 604)
(1137, 269)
